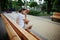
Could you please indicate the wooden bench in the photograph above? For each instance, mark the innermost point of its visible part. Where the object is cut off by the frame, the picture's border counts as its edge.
(23, 34)
(12, 34)
(55, 16)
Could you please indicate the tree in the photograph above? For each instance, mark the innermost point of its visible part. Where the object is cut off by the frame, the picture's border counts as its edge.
(4, 4)
(56, 5)
(43, 7)
(33, 4)
(49, 5)
(14, 5)
(10, 4)
(20, 3)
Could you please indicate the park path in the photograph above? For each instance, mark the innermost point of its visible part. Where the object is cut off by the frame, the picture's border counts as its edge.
(45, 28)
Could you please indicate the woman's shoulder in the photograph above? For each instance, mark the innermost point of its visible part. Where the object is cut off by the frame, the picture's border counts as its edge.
(21, 15)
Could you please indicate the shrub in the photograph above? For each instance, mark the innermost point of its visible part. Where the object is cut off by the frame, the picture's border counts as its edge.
(33, 12)
(37, 13)
(33, 4)
(56, 6)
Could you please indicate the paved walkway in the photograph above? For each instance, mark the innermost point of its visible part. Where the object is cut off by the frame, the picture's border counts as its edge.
(45, 28)
(46, 17)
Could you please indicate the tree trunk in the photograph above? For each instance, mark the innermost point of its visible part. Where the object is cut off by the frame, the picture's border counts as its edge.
(49, 6)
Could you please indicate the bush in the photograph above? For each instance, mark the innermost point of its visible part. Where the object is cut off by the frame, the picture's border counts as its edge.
(43, 8)
(56, 6)
(33, 12)
(33, 4)
(37, 13)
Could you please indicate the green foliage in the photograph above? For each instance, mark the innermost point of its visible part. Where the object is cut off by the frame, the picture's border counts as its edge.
(35, 13)
(9, 4)
(43, 8)
(20, 3)
(14, 4)
(45, 0)
(49, 5)
(33, 4)
(57, 5)
(4, 4)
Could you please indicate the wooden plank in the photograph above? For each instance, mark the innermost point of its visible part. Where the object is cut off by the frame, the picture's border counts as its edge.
(20, 31)
(33, 34)
(12, 34)
(57, 17)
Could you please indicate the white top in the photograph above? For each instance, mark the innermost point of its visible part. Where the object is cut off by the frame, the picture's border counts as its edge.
(21, 18)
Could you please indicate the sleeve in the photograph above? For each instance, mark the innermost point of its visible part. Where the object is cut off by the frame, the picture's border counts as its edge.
(21, 16)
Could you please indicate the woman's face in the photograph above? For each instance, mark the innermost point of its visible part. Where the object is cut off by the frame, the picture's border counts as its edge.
(25, 12)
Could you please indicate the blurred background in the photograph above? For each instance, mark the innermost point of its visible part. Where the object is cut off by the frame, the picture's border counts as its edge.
(36, 7)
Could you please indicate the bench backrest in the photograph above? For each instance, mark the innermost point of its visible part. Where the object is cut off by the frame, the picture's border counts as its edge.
(56, 14)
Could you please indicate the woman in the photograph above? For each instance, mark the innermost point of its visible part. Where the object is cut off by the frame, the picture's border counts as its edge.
(22, 20)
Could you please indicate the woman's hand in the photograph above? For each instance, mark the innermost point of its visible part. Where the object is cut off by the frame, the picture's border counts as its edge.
(26, 21)
(17, 22)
